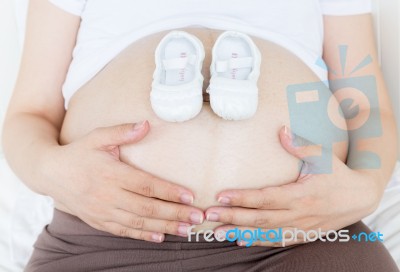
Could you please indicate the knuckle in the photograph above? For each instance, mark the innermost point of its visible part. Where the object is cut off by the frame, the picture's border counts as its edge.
(149, 210)
(137, 222)
(87, 188)
(103, 196)
(261, 221)
(297, 191)
(264, 202)
(147, 188)
(308, 201)
(108, 174)
(123, 232)
(180, 214)
(94, 207)
(259, 203)
(269, 196)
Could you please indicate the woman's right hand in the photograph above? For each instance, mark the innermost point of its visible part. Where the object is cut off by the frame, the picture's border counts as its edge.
(90, 182)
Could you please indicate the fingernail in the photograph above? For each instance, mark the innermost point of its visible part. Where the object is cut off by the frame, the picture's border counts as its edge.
(287, 132)
(156, 237)
(186, 198)
(196, 218)
(183, 230)
(220, 234)
(224, 200)
(139, 126)
(213, 217)
(241, 243)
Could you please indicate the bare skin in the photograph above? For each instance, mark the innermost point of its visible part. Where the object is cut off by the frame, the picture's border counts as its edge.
(87, 178)
(206, 154)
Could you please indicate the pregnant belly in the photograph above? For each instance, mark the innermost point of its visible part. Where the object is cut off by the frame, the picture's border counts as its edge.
(206, 154)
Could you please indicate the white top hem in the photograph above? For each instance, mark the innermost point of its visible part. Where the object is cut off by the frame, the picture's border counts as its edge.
(110, 51)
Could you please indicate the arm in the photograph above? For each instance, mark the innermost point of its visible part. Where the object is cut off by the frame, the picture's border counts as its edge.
(36, 109)
(324, 201)
(357, 33)
(86, 177)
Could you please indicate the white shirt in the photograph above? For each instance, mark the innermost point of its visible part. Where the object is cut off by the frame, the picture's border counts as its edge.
(107, 27)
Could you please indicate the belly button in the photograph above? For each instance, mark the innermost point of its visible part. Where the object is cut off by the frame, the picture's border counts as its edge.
(206, 97)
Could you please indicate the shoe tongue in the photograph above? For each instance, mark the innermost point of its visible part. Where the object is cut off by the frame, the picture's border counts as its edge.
(179, 63)
(179, 70)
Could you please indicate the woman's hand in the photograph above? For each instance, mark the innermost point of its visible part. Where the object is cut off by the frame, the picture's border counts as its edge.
(315, 201)
(90, 181)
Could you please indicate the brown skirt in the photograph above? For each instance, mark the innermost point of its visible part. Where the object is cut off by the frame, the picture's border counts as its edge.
(68, 244)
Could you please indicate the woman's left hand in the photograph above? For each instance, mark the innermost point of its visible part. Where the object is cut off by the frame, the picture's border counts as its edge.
(314, 201)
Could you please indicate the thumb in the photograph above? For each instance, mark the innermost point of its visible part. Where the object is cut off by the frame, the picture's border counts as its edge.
(119, 134)
(298, 146)
(314, 158)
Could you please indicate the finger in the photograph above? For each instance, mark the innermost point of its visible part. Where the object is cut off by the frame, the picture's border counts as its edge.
(250, 217)
(106, 137)
(123, 231)
(315, 159)
(147, 185)
(278, 197)
(247, 236)
(134, 221)
(298, 146)
(159, 209)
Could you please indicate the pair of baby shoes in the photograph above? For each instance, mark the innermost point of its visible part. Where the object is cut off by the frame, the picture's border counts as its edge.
(176, 94)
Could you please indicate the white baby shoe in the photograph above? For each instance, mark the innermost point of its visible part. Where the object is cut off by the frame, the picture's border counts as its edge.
(176, 94)
(235, 69)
